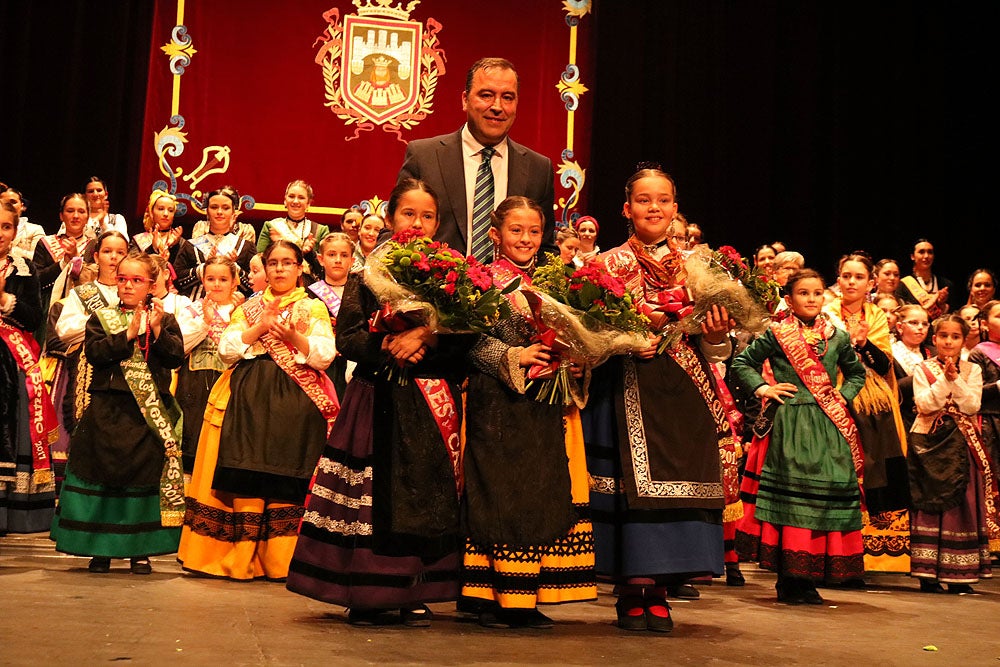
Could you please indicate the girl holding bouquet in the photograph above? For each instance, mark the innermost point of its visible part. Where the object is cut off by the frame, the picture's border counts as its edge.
(805, 523)
(381, 531)
(263, 430)
(655, 427)
(530, 536)
(876, 412)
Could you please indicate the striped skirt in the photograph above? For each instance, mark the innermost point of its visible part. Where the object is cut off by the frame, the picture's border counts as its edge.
(551, 574)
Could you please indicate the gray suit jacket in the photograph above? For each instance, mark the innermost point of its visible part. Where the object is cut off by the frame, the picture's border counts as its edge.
(438, 162)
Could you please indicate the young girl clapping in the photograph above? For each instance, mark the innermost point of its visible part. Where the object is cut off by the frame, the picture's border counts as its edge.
(951, 482)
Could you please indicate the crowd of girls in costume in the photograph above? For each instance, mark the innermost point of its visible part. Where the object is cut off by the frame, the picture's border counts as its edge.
(251, 402)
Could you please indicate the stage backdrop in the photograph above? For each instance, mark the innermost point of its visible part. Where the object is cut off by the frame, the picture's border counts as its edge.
(255, 93)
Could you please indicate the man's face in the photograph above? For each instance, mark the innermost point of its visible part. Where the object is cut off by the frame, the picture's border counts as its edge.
(491, 104)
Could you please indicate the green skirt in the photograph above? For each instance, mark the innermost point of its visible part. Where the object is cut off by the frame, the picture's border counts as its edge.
(97, 520)
(808, 478)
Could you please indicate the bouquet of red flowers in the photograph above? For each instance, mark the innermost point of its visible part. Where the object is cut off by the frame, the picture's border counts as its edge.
(585, 315)
(723, 278)
(421, 282)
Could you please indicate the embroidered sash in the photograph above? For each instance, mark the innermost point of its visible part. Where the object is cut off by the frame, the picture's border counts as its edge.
(813, 374)
(317, 386)
(166, 423)
(970, 431)
(325, 293)
(44, 427)
(923, 297)
(93, 300)
(442, 404)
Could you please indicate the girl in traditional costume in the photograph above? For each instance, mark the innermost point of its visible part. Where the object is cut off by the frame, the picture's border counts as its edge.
(803, 519)
(72, 371)
(986, 355)
(296, 227)
(951, 480)
(27, 422)
(222, 238)
(124, 492)
(203, 365)
(161, 236)
(922, 286)
(59, 258)
(263, 430)
(876, 413)
(381, 531)
(530, 539)
(654, 427)
(909, 350)
(336, 253)
(101, 219)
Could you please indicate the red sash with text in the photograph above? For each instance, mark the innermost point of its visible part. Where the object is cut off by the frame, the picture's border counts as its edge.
(442, 404)
(44, 427)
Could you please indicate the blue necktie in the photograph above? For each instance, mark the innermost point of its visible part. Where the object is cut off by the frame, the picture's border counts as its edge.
(482, 206)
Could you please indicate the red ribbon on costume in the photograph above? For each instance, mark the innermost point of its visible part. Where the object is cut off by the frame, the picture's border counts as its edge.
(387, 320)
(547, 336)
(44, 427)
(445, 411)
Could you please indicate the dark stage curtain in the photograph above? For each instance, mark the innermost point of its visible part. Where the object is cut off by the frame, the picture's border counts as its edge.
(74, 84)
(828, 125)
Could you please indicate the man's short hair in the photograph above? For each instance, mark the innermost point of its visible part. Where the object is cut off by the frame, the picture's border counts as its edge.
(488, 63)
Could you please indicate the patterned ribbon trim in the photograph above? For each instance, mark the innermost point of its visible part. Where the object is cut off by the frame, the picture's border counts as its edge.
(442, 404)
(925, 298)
(813, 374)
(166, 423)
(317, 386)
(93, 300)
(44, 427)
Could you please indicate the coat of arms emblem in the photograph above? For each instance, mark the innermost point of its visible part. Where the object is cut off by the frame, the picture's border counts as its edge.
(379, 67)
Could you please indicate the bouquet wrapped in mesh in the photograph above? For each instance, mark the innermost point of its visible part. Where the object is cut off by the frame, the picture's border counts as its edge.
(723, 278)
(421, 282)
(585, 315)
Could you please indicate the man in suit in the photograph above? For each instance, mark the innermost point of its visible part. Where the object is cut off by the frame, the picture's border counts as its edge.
(464, 166)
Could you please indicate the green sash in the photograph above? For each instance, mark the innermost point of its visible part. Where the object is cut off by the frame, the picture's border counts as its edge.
(165, 423)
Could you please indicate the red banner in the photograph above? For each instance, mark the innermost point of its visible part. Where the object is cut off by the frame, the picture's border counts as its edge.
(255, 94)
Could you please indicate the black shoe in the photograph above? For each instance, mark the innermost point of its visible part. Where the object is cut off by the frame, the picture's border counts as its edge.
(363, 617)
(626, 621)
(467, 605)
(683, 591)
(140, 566)
(959, 589)
(493, 617)
(734, 577)
(931, 586)
(655, 622)
(809, 594)
(532, 619)
(99, 565)
(789, 591)
(417, 617)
